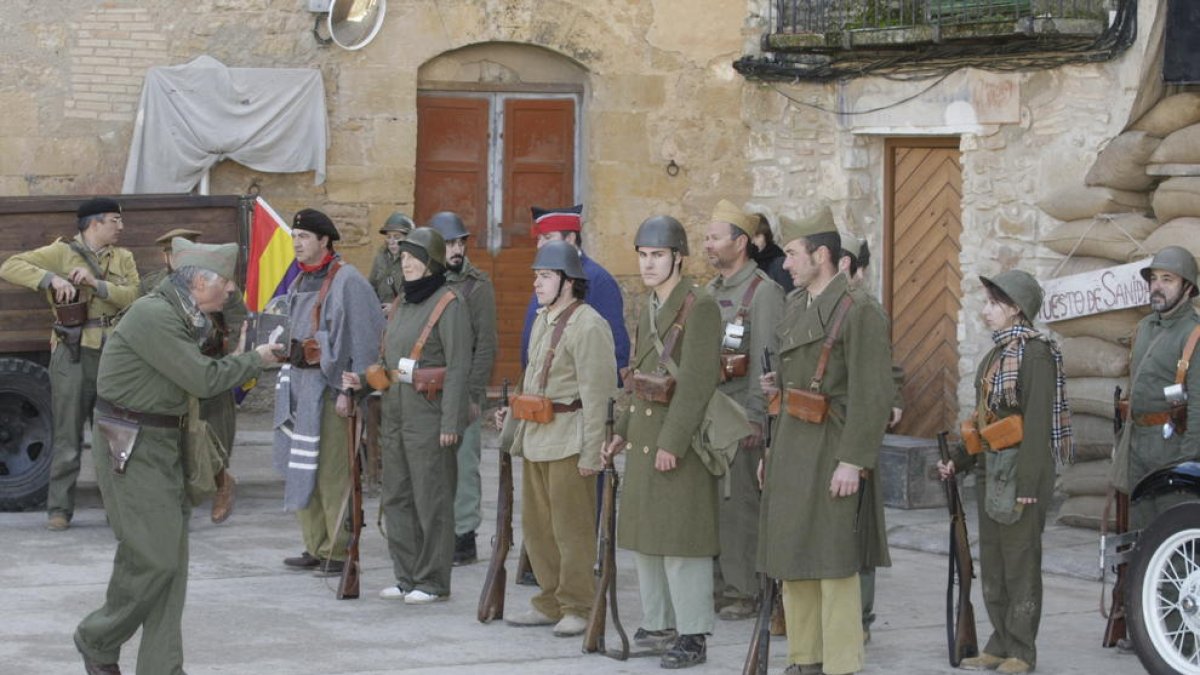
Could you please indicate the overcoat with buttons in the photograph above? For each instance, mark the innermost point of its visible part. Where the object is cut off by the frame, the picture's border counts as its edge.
(673, 512)
(805, 533)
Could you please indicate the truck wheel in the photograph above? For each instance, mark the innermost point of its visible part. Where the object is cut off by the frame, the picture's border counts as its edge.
(1164, 593)
(25, 434)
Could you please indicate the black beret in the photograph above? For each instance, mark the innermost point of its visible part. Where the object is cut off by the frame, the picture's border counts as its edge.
(97, 206)
(316, 222)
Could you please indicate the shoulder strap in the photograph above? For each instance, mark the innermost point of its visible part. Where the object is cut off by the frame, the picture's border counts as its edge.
(440, 307)
(333, 270)
(839, 316)
(666, 348)
(554, 338)
(747, 298)
(1185, 359)
(87, 258)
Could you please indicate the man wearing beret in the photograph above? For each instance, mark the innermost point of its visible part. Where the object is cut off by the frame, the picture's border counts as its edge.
(89, 281)
(751, 305)
(335, 324)
(386, 277)
(811, 475)
(150, 368)
(217, 337)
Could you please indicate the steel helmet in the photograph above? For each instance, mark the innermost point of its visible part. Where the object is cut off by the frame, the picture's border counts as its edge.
(662, 232)
(1176, 260)
(1025, 292)
(427, 244)
(398, 222)
(448, 224)
(561, 256)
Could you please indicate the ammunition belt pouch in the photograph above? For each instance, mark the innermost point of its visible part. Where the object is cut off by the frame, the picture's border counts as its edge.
(971, 440)
(806, 405)
(304, 353)
(144, 419)
(1004, 433)
(532, 408)
(71, 314)
(429, 381)
(734, 366)
(70, 337)
(653, 387)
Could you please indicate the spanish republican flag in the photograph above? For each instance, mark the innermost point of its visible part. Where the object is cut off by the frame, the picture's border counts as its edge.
(271, 265)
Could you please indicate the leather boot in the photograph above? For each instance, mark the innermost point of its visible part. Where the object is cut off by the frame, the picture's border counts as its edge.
(688, 651)
(222, 504)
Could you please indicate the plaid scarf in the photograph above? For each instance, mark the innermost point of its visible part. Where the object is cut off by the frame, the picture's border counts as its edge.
(1003, 390)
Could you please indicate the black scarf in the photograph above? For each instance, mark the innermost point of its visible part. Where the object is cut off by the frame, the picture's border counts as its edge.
(766, 255)
(416, 292)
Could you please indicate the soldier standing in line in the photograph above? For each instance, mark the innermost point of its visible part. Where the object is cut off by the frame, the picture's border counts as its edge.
(768, 255)
(751, 305)
(475, 288)
(812, 473)
(669, 513)
(568, 371)
(150, 368)
(386, 277)
(335, 324)
(89, 281)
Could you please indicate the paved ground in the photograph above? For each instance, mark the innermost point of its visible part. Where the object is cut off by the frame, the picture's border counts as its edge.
(246, 614)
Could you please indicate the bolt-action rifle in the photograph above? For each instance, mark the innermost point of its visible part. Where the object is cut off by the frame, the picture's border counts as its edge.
(960, 613)
(758, 656)
(1115, 629)
(606, 561)
(348, 584)
(491, 598)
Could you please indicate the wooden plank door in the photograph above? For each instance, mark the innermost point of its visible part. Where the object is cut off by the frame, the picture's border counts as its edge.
(923, 284)
(452, 162)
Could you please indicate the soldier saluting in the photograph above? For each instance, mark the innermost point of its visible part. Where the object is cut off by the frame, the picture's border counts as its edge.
(89, 281)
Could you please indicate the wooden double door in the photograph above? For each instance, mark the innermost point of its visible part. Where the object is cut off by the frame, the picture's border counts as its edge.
(490, 156)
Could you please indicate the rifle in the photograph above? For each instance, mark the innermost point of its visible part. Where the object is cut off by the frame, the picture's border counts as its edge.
(766, 365)
(606, 561)
(759, 655)
(491, 598)
(1115, 629)
(960, 613)
(348, 585)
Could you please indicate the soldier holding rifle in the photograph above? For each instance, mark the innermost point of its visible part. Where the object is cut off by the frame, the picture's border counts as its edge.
(556, 422)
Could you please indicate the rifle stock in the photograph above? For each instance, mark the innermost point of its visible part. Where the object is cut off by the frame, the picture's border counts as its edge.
(491, 598)
(961, 640)
(606, 562)
(348, 585)
(758, 656)
(1115, 630)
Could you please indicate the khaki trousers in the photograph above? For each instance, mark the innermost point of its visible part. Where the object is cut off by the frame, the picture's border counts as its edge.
(559, 521)
(824, 623)
(676, 593)
(72, 397)
(319, 520)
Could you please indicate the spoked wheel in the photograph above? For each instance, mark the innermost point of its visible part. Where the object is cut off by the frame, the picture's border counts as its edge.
(1164, 593)
(25, 434)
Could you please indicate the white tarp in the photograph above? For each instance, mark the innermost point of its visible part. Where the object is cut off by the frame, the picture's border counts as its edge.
(194, 115)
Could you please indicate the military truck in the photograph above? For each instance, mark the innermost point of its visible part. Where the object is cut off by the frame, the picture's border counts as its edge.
(26, 413)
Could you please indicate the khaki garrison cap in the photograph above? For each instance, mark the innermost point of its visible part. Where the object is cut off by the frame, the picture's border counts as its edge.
(726, 212)
(165, 240)
(219, 258)
(818, 223)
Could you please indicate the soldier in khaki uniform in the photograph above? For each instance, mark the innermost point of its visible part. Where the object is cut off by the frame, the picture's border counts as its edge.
(751, 305)
(569, 365)
(669, 512)
(477, 291)
(89, 269)
(422, 429)
(150, 368)
(386, 276)
(810, 511)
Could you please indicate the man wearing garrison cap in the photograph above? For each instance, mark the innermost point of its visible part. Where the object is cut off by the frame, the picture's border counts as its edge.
(150, 370)
(335, 324)
(751, 305)
(814, 468)
(89, 281)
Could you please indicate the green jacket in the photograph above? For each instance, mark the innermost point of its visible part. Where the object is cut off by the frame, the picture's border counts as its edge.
(475, 287)
(673, 512)
(804, 532)
(386, 276)
(118, 281)
(761, 318)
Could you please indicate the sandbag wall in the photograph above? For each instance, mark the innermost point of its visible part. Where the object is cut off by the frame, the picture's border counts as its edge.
(1141, 195)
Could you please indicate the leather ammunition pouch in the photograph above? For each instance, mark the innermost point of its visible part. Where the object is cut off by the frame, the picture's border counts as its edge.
(971, 440)
(807, 405)
(734, 366)
(378, 377)
(71, 336)
(304, 353)
(1004, 433)
(71, 314)
(532, 408)
(653, 387)
(429, 381)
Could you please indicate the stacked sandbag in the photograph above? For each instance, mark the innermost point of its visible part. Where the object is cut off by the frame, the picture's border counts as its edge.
(1109, 236)
(1081, 202)
(1177, 155)
(1170, 115)
(1177, 197)
(1183, 231)
(1085, 485)
(1087, 357)
(1122, 163)
(1094, 395)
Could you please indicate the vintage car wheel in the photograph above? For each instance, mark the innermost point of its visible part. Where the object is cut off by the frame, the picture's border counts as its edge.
(26, 428)
(1164, 593)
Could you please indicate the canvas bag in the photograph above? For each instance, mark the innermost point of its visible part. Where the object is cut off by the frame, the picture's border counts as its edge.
(204, 456)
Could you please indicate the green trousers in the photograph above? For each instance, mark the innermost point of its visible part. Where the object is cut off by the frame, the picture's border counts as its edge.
(676, 593)
(559, 520)
(468, 502)
(738, 528)
(72, 397)
(319, 520)
(148, 513)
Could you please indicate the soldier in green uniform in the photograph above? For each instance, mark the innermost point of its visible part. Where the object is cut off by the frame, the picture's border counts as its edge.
(1019, 380)
(570, 368)
(476, 289)
(808, 537)
(427, 331)
(150, 368)
(751, 305)
(89, 269)
(669, 514)
(386, 276)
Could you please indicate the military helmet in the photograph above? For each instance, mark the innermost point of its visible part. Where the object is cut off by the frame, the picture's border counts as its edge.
(561, 256)
(448, 224)
(1025, 292)
(427, 244)
(1176, 260)
(398, 222)
(662, 232)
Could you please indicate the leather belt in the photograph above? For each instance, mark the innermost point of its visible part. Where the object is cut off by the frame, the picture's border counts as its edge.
(567, 407)
(1152, 419)
(101, 322)
(143, 418)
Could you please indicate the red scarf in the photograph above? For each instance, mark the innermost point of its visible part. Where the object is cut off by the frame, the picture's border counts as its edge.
(309, 269)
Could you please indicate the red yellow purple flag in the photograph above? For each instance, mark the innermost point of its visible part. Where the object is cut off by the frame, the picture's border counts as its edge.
(271, 265)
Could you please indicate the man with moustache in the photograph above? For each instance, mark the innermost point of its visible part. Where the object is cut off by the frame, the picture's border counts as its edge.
(475, 287)
(751, 305)
(335, 324)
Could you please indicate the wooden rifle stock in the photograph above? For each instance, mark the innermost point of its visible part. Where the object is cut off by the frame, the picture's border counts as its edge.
(1115, 630)
(349, 583)
(606, 562)
(491, 598)
(759, 655)
(960, 613)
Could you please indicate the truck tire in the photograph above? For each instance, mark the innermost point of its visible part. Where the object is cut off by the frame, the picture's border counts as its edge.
(1164, 593)
(26, 429)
